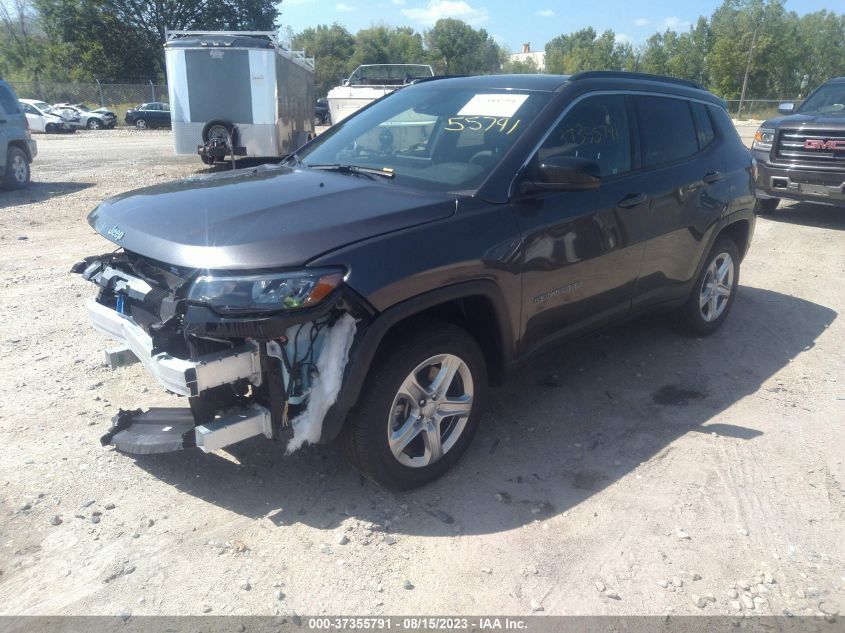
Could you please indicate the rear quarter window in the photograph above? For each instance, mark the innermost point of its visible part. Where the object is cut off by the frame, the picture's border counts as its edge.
(703, 124)
(8, 101)
(667, 130)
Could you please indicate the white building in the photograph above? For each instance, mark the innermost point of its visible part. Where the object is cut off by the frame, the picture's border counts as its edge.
(538, 57)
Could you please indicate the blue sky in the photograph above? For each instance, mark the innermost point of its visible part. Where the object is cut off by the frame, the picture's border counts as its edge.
(513, 22)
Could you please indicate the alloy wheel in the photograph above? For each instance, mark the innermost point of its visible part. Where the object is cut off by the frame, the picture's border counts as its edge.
(430, 411)
(19, 168)
(717, 287)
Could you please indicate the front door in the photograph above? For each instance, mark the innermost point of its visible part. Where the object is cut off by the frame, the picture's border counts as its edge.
(582, 250)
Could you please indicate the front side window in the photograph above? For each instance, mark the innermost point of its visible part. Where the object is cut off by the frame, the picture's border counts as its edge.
(432, 137)
(667, 131)
(595, 129)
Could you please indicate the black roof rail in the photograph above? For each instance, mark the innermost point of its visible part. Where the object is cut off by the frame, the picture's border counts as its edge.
(621, 74)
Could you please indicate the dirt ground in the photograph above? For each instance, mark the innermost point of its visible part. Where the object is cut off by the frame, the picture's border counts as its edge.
(631, 472)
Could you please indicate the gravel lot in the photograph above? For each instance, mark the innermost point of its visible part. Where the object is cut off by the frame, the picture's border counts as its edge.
(632, 472)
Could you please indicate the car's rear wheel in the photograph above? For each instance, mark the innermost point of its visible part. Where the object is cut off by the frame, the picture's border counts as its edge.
(765, 206)
(141, 124)
(715, 290)
(94, 124)
(17, 169)
(420, 406)
(49, 128)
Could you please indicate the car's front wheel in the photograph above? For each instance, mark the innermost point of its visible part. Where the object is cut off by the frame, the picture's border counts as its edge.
(715, 290)
(94, 124)
(419, 407)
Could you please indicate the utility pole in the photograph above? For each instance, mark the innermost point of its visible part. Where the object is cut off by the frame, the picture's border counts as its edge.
(747, 69)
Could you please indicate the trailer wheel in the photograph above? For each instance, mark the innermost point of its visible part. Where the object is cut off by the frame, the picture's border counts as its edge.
(208, 160)
(220, 130)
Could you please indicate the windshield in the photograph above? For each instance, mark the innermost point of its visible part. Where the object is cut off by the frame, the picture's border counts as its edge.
(430, 137)
(44, 107)
(826, 100)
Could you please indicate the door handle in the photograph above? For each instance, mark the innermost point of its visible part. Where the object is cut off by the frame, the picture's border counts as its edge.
(632, 200)
(712, 176)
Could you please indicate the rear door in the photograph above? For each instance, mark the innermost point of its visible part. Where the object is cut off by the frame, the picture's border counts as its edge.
(583, 249)
(683, 178)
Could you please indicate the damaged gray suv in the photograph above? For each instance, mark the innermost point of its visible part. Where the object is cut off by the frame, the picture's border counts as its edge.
(373, 285)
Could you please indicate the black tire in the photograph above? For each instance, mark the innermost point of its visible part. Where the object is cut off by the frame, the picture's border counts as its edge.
(49, 128)
(766, 206)
(17, 174)
(693, 318)
(141, 124)
(230, 131)
(94, 124)
(365, 434)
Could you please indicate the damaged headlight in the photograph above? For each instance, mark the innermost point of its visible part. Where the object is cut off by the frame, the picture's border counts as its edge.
(241, 294)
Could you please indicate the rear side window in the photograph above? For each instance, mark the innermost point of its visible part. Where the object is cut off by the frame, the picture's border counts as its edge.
(8, 101)
(667, 132)
(703, 124)
(597, 129)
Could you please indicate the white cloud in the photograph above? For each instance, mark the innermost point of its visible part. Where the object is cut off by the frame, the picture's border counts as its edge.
(342, 6)
(545, 13)
(398, 3)
(438, 9)
(637, 22)
(676, 23)
(621, 38)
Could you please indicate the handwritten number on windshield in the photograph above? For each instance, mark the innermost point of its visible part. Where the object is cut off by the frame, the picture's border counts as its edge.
(506, 125)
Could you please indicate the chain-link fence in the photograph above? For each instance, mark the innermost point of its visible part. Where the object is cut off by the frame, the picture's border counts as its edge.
(116, 97)
(757, 109)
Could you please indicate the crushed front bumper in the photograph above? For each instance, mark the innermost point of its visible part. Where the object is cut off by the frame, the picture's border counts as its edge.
(183, 377)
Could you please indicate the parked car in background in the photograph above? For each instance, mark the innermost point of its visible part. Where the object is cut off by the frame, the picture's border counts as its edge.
(87, 118)
(373, 284)
(149, 115)
(41, 117)
(801, 155)
(321, 112)
(69, 115)
(17, 149)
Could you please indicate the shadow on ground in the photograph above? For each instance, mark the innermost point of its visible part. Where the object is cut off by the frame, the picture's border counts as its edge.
(823, 216)
(578, 420)
(39, 192)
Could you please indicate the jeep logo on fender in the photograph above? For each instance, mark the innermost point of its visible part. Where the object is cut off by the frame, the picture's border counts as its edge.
(815, 143)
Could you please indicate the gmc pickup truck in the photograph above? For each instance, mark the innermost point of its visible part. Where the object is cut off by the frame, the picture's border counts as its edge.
(801, 156)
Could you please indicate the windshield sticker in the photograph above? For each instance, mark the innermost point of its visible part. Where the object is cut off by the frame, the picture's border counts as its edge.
(486, 123)
(497, 105)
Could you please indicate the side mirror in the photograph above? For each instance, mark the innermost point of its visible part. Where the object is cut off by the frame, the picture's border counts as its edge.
(564, 173)
(786, 108)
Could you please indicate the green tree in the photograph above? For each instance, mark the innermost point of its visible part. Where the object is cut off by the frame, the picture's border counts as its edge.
(587, 50)
(388, 45)
(332, 48)
(458, 49)
(822, 38)
(520, 67)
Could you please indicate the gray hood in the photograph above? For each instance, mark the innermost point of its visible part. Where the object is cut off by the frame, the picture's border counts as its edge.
(265, 217)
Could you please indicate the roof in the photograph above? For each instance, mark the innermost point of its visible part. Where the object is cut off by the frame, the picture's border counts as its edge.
(552, 83)
(219, 41)
(540, 83)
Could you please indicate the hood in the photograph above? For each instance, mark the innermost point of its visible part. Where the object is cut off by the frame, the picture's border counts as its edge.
(830, 121)
(265, 217)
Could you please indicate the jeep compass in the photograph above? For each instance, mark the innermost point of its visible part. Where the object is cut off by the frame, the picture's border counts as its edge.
(374, 285)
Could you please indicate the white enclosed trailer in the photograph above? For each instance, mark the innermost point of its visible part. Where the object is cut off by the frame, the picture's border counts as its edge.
(237, 93)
